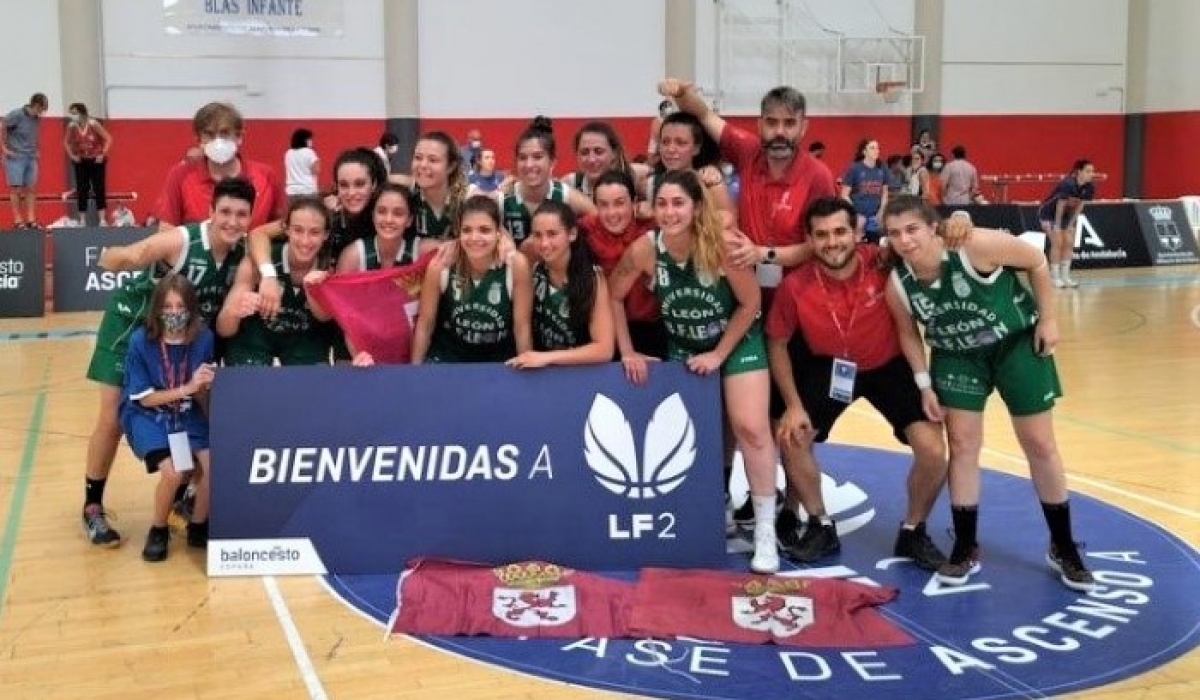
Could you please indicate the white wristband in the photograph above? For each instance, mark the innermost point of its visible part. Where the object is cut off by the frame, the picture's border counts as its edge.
(923, 380)
(266, 270)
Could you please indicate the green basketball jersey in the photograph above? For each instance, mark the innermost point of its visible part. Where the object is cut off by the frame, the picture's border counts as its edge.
(695, 311)
(474, 324)
(551, 314)
(368, 253)
(963, 309)
(517, 218)
(429, 224)
(294, 315)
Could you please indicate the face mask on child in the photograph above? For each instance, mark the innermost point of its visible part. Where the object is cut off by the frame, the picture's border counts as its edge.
(175, 321)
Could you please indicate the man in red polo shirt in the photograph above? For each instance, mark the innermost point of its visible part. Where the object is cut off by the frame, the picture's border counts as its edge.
(778, 179)
(187, 192)
(834, 307)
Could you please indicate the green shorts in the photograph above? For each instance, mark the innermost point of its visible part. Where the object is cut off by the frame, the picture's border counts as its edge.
(749, 355)
(1028, 383)
(107, 365)
(255, 346)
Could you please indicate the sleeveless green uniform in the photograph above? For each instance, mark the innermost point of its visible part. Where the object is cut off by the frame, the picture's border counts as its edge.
(294, 335)
(551, 315)
(368, 253)
(517, 218)
(127, 307)
(427, 224)
(980, 330)
(476, 324)
(696, 312)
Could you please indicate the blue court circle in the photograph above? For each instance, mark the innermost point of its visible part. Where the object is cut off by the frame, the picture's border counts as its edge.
(1013, 632)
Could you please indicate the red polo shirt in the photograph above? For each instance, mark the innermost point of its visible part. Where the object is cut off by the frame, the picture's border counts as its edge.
(187, 193)
(770, 211)
(838, 318)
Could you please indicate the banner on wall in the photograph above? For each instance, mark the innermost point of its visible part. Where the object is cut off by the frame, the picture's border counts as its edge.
(274, 18)
(80, 284)
(1169, 237)
(356, 470)
(22, 273)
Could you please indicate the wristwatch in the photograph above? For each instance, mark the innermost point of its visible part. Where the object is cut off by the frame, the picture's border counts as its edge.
(770, 254)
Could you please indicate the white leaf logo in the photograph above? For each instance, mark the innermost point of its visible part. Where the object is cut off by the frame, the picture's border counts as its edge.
(670, 448)
(608, 447)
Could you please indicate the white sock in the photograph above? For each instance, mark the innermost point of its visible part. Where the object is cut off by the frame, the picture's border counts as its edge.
(1066, 269)
(1055, 271)
(764, 508)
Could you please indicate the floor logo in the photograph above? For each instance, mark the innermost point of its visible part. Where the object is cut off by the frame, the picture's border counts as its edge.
(1013, 632)
(668, 454)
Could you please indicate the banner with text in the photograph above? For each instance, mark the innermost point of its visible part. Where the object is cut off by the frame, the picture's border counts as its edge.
(80, 284)
(356, 470)
(22, 273)
(274, 18)
(1169, 237)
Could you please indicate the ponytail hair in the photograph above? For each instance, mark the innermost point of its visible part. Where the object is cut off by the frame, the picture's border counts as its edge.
(542, 129)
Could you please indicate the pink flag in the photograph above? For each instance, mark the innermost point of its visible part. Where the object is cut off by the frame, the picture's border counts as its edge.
(376, 308)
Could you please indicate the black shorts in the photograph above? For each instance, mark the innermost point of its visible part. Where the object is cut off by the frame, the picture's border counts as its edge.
(155, 458)
(890, 388)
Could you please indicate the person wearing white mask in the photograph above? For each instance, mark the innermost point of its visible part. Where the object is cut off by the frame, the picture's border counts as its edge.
(188, 188)
(87, 143)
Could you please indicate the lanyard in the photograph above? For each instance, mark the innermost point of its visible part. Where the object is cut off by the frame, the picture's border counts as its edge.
(855, 290)
(173, 374)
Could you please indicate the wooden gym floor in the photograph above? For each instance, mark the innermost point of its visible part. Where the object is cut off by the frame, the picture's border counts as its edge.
(77, 621)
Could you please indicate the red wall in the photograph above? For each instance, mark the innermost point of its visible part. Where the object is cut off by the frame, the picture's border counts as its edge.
(1011, 144)
(1171, 167)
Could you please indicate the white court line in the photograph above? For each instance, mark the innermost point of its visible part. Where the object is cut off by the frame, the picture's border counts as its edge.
(1187, 513)
(299, 653)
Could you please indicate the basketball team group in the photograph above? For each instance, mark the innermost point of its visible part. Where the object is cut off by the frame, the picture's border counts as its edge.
(799, 296)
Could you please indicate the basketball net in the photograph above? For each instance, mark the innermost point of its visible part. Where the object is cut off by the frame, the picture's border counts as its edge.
(890, 90)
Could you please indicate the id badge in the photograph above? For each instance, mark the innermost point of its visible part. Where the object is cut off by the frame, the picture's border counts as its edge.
(181, 451)
(769, 275)
(841, 380)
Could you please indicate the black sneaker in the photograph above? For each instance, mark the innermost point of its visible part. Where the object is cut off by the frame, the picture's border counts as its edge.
(1070, 568)
(181, 510)
(960, 567)
(156, 544)
(817, 541)
(197, 534)
(743, 516)
(787, 528)
(916, 544)
(95, 524)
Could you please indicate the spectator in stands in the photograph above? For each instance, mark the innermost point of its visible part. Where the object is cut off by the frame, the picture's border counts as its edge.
(933, 184)
(169, 368)
(301, 166)
(477, 306)
(960, 180)
(471, 149)
(87, 143)
(918, 174)
(897, 169)
(1058, 214)
(816, 149)
(484, 177)
(711, 313)
(572, 313)
(187, 192)
(865, 185)
(19, 144)
(926, 144)
(387, 147)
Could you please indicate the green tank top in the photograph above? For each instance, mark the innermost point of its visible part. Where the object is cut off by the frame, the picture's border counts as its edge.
(695, 311)
(294, 315)
(963, 309)
(368, 253)
(429, 224)
(551, 315)
(517, 218)
(211, 280)
(475, 324)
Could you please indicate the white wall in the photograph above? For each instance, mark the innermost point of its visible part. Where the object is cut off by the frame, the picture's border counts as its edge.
(30, 56)
(519, 58)
(149, 73)
(1033, 56)
(1172, 78)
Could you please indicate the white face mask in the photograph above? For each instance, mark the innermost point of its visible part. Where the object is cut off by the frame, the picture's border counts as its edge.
(221, 150)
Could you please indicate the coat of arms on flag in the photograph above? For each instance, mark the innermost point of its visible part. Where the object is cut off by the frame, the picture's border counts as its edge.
(530, 596)
(773, 606)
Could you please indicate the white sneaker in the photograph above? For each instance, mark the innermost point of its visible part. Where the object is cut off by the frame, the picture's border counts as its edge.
(766, 550)
(1059, 283)
(1070, 282)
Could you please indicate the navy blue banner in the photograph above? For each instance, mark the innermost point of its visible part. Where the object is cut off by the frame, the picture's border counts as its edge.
(80, 284)
(22, 273)
(356, 470)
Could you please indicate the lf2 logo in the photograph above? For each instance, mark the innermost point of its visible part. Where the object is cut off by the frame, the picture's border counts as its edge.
(669, 449)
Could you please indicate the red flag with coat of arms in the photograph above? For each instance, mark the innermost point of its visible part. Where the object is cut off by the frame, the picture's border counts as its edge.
(375, 309)
(753, 609)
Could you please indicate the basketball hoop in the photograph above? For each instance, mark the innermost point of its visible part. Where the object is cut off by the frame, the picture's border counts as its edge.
(890, 90)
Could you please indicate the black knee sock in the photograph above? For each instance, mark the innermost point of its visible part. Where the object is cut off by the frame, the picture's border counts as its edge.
(966, 525)
(1058, 519)
(93, 492)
